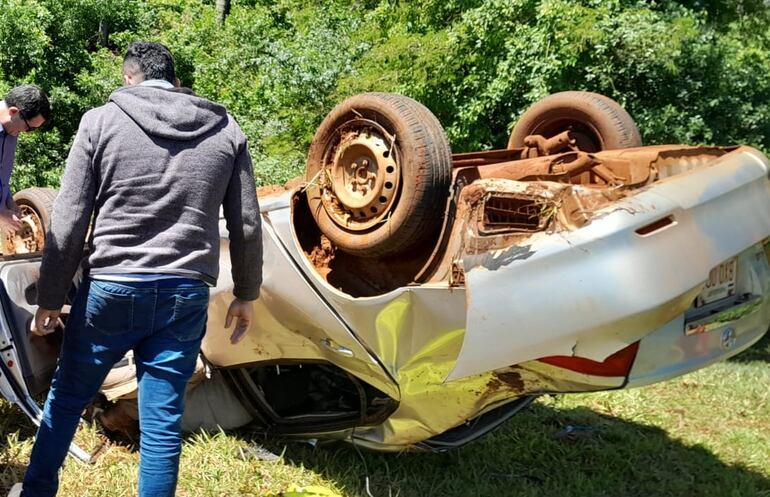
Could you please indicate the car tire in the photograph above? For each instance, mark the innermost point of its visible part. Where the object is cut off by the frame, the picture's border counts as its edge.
(37, 202)
(597, 122)
(36, 205)
(378, 173)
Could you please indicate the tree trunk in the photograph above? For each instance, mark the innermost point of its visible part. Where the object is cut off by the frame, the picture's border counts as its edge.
(223, 10)
(104, 33)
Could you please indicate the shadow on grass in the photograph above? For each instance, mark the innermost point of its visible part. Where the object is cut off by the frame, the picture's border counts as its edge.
(9, 475)
(523, 458)
(760, 351)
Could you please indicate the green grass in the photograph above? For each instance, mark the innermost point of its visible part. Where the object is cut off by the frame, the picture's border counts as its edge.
(705, 434)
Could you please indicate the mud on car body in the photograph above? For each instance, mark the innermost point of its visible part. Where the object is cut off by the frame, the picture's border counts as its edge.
(415, 298)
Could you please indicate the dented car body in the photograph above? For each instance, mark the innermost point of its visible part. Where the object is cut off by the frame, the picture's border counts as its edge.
(550, 273)
(537, 287)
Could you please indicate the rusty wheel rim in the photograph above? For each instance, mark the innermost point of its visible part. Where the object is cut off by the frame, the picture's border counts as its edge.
(31, 236)
(361, 176)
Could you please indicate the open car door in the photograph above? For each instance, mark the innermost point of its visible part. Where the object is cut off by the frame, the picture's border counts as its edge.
(28, 361)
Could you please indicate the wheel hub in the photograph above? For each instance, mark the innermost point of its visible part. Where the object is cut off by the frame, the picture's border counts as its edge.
(362, 178)
(29, 238)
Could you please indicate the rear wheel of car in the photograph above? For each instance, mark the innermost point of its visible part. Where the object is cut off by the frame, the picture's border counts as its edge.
(378, 173)
(596, 122)
(36, 205)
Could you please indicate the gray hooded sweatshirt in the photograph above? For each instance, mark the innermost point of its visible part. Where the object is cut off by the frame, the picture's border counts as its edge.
(153, 167)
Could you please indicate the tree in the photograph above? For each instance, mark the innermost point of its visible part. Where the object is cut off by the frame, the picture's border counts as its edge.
(688, 71)
(223, 10)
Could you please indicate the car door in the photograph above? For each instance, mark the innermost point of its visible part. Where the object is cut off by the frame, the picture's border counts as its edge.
(31, 358)
(28, 361)
(292, 321)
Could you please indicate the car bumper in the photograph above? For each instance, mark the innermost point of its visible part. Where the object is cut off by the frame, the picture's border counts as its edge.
(702, 336)
(595, 290)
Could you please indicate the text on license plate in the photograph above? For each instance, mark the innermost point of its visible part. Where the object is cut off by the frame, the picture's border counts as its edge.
(721, 283)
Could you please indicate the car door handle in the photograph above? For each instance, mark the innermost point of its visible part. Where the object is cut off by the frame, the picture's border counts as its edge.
(336, 348)
(657, 226)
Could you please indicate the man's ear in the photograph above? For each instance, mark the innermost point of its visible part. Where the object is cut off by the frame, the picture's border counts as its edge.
(13, 110)
(128, 80)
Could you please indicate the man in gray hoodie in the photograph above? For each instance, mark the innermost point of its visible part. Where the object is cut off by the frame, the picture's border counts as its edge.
(152, 168)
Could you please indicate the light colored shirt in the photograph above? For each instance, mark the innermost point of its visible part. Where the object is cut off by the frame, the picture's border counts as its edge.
(157, 83)
(133, 277)
(7, 155)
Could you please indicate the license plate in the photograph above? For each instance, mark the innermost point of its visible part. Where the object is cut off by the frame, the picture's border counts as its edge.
(721, 283)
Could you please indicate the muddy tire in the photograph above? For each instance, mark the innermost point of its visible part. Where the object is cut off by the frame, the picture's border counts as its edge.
(37, 201)
(36, 205)
(378, 172)
(597, 122)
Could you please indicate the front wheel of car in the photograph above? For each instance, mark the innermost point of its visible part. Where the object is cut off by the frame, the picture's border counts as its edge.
(35, 206)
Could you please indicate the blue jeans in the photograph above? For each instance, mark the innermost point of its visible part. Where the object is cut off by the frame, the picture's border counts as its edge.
(163, 321)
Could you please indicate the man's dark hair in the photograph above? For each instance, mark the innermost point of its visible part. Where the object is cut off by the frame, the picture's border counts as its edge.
(30, 100)
(153, 60)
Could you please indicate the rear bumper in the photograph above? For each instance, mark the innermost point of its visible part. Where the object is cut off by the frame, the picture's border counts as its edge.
(595, 290)
(700, 337)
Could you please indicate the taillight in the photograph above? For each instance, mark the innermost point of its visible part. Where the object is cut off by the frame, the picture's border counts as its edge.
(618, 364)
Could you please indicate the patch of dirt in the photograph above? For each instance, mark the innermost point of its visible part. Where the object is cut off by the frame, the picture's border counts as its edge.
(295, 182)
(509, 380)
(268, 190)
(292, 184)
(322, 256)
(357, 276)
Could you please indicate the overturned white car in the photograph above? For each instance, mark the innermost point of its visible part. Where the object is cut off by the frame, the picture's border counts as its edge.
(416, 299)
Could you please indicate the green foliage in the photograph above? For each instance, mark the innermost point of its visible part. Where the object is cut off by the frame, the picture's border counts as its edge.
(691, 71)
(53, 43)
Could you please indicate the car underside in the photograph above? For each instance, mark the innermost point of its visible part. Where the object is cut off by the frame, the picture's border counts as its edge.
(415, 298)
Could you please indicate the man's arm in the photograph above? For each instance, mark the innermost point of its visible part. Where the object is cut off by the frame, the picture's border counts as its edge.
(9, 213)
(241, 210)
(69, 223)
(244, 225)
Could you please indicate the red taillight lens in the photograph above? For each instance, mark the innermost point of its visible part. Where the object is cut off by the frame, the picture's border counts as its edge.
(618, 364)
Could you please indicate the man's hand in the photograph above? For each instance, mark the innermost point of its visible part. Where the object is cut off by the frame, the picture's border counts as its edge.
(45, 321)
(242, 310)
(9, 221)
